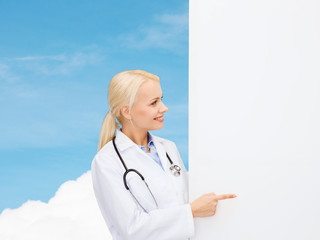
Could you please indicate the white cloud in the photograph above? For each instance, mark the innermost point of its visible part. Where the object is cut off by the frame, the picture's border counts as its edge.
(72, 213)
(177, 20)
(60, 64)
(168, 31)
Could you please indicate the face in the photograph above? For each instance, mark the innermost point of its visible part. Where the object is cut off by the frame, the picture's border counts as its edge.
(148, 106)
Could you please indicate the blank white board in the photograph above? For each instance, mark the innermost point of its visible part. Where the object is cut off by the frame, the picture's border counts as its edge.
(254, 116)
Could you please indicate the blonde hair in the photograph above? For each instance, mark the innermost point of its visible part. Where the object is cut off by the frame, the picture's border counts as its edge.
(122, 90)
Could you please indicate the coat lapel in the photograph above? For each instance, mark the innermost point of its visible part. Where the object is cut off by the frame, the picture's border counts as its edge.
(161, 152)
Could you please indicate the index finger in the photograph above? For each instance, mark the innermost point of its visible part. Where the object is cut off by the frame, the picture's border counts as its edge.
(224, 196)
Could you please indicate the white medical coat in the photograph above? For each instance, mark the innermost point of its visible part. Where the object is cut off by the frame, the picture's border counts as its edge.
(124, 217)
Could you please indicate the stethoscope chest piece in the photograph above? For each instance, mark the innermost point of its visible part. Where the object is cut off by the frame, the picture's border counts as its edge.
(175, 170)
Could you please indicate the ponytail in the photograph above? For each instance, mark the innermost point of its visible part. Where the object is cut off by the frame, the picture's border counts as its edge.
(108, 128)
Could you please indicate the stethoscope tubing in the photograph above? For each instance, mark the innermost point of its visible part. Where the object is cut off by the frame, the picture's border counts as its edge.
(176, 167)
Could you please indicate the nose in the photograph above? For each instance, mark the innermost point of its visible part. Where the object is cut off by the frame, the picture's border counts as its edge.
(164, 108)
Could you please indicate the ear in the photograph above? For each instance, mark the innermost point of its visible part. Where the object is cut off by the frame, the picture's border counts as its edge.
(125, 112)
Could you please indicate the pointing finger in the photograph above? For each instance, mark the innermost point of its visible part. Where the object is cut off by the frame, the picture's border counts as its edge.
(224, 196)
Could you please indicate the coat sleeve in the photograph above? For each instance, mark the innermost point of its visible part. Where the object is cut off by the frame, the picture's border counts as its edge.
(119, 208)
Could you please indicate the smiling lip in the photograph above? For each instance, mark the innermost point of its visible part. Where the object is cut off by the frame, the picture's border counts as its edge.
(159, 119)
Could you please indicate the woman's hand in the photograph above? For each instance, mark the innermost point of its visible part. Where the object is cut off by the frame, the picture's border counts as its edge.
(205, 205)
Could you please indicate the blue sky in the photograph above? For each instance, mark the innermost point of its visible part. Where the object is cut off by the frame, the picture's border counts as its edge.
(56, 61)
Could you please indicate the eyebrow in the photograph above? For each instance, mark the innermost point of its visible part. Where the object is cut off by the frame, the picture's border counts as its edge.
(156, 98)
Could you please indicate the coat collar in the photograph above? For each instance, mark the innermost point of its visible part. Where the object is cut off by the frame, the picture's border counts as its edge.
(123, 141)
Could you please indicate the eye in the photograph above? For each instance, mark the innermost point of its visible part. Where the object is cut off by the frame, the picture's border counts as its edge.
(154, 103)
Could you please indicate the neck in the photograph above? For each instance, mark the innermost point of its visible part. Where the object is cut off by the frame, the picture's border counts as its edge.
(139, 137)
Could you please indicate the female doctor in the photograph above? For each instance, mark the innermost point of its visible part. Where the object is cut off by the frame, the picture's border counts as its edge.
(139, 179)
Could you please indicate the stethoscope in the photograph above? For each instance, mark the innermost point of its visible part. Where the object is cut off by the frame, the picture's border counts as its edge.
(175, 170)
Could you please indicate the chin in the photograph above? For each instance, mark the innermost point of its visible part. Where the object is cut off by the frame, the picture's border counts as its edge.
(157, 128)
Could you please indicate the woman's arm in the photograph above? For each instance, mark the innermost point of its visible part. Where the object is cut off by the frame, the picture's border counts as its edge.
(119, 208)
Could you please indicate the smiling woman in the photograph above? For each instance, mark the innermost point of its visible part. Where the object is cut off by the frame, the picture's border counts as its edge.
(131, 158)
